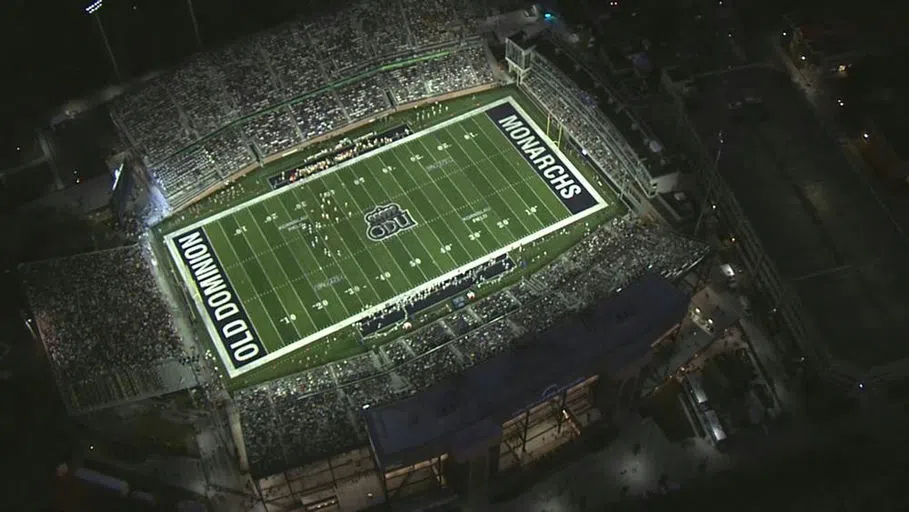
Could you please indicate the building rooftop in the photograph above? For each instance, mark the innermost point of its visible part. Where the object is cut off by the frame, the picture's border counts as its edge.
(461, 414)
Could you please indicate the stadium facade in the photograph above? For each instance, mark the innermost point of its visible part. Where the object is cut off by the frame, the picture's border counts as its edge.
(463, 420)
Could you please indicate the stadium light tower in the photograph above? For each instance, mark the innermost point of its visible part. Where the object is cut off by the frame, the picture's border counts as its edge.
(192, 16)
(92, 10)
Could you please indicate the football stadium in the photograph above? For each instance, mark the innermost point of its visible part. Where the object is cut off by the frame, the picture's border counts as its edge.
(375, 238)
(386, 254)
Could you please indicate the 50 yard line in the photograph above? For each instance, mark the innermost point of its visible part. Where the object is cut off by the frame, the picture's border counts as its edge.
(352, 254)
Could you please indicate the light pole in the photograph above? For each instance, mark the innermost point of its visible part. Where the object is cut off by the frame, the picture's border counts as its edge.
(711, 185)
(92, 10)
(192, 16)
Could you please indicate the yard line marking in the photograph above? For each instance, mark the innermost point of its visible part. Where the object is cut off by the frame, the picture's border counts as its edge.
(508, 144)
(464, 200)
(303, 304)
(264, 271)
(419, 240)
(346, 246)
(510, 184)
(439, 215)
(366, 247)
(315, 260)
(382, 244)
(249, 278)
(477, 165)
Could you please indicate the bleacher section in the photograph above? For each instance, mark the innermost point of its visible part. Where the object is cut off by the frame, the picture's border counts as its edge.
(277, 90)
(326, 403)
(108, 333)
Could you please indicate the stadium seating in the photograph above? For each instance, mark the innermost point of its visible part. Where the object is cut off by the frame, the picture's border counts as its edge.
(273, 132)
(107, 329)
(323, 403)
(364, 98)
(198, 91)
(243, 82)
(318, 115)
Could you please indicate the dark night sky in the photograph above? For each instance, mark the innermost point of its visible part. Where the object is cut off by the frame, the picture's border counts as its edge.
(52, 50)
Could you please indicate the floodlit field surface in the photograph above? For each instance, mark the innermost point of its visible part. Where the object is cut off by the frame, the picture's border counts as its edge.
(309, 259)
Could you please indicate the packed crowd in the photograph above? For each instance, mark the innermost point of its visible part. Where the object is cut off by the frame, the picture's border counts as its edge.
(191, 172)
(462, 321)
(102, 314)
(428, 338)
(495, 306)
(185, 173)
(273, 132)
(318, 114)
(396, 352)
(246, 79)
(611, 257)
(487, 341)
(359, 34)
(427, 78)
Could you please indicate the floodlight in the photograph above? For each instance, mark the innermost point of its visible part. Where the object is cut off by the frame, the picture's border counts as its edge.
(93, 7)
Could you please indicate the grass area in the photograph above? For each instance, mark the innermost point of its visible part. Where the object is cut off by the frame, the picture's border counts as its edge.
(301, 260)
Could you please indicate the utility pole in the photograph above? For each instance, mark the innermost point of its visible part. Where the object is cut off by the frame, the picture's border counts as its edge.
(711, 185)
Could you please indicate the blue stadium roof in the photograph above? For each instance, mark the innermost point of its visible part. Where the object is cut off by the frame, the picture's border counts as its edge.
(462, 413)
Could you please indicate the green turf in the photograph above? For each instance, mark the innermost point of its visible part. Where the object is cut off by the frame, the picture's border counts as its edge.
(301, 261)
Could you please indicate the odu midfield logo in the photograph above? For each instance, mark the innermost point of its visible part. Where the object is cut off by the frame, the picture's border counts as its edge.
(386, 221)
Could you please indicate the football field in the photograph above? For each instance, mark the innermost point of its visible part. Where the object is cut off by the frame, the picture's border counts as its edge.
(301, 262)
